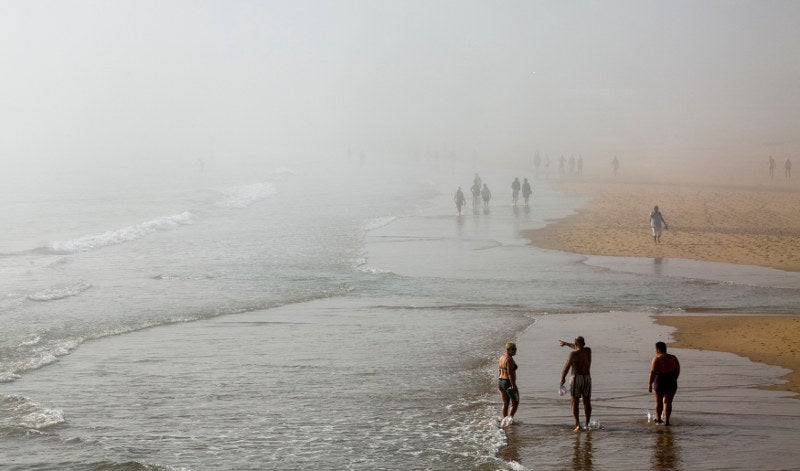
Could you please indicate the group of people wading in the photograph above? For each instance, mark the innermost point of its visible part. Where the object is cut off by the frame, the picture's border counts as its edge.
(480, 191)
(662, 382)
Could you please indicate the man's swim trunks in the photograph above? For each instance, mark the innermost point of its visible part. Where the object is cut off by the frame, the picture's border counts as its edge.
(580, 385)
(665, 382)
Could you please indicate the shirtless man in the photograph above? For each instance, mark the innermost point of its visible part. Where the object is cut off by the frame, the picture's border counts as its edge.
(663, 381)
(580, 382)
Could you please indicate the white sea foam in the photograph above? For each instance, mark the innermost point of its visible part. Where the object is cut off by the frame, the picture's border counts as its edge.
(120, 236)
(8, 376)
(59, 292)
(43, 418)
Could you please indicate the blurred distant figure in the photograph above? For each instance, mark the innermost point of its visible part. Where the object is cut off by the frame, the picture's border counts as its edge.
(459, 199)
(486, 195)
(615, 165)
(526, 191)
(663, 381)
(546, 166)
(476, 193)
(561, 162)
(580, 165)
(771, 167)
(572, 165)
(656, 221)
(787, 168)
(515, 187)
(477, 180)
(537, 161)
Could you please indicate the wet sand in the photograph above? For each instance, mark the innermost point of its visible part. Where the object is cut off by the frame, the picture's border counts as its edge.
(763, 339)
(720, 420)
(729, 222)
(733, 224)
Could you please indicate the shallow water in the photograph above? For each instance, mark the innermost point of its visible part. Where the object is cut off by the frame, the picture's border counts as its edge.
(278, 320)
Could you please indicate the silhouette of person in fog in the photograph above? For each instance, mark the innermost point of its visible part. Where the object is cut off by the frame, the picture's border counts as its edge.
(486, 195)
(615, 165)
(771, 167)
(476, 193)
(515, 186)
(459, 199)
(526, 191)
(787, 168)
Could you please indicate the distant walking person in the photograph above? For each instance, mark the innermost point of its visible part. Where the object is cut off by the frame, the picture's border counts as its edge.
(486, 195)
(546, 166)
(580, 381)
(526, 191)
(476, 193)
(656, 221)
(459, 199)
(663, 381)
(507, 383)
(615, 165)
(787, 168)
(515, 186)
(771, 167)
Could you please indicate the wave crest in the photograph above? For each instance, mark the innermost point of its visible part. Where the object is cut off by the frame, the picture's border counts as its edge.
(120, 236)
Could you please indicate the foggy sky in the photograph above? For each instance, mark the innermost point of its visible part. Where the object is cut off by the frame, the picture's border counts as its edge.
(114, 82)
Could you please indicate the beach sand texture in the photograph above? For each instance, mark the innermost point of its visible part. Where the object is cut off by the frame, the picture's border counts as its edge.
(734, 224)
(728, 222)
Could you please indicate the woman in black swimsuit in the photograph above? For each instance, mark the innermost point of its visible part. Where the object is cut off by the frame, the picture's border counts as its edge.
(507, 382)
(663, 382)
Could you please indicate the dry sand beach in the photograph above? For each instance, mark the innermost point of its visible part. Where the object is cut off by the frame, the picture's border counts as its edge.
(733, 221)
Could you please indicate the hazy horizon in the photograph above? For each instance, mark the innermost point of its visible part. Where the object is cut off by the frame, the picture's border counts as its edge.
(129, 84)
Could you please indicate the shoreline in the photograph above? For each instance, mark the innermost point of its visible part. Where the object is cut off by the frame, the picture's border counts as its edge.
(743, 225)
(736, 224)
(763, 339)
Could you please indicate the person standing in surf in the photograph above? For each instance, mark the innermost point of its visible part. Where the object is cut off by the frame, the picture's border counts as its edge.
(507, 383)
(515, 186)
(580, 382)
(663, 381)
(459, 199)
(486, 195)
(526, 191)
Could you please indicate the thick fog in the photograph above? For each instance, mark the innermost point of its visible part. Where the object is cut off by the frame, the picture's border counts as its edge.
(127, 84)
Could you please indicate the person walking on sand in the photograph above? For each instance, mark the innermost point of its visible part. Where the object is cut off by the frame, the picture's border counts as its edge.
(615, 165)
(787, 168)
(486, 195)
(515, 186)
(580, 381)
(771, 167)
(526, 191)
(459, 199)
(656, 221)
(663, 381)
(507, 383)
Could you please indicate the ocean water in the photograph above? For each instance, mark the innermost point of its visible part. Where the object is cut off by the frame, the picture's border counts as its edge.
(328, 316)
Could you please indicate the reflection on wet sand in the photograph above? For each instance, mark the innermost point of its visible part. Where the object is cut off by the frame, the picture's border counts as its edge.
(510, 452)
(666, 455)
(582, 452)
